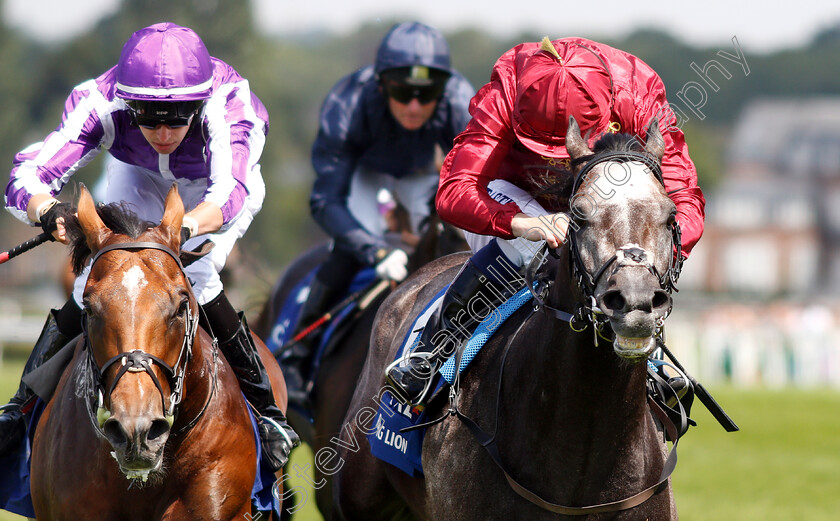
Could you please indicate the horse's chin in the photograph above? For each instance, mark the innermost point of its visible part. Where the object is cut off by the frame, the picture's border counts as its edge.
(633, 348)
(142, 469)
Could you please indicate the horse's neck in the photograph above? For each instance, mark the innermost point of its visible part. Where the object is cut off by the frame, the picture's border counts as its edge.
(576, 375)
(563, 379)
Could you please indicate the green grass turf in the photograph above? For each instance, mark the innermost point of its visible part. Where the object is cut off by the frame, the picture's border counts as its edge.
(783, 465)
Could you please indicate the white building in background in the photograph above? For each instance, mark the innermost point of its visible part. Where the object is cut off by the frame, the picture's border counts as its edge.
(773, 223)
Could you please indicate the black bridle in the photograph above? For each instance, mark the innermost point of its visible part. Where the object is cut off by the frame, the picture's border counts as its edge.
(138, 361)
(588, 311)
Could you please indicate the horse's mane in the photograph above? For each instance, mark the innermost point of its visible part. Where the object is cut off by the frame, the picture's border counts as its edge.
(118, 217)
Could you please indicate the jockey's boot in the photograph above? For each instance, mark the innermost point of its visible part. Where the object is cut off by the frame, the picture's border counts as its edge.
(12, 424)
(295, 357)
(679, 386)
(277, 436)
(470, 298)
(674, 392)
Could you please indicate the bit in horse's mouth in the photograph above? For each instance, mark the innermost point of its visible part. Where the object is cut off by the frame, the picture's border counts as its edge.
(634, 347)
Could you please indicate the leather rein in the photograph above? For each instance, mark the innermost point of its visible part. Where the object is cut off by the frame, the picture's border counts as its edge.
(138, 361)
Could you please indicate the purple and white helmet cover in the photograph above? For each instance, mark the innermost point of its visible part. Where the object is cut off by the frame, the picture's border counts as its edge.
(164, 62)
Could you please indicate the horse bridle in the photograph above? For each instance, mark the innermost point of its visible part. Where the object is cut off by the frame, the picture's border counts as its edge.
(137, 360)
(588, 310)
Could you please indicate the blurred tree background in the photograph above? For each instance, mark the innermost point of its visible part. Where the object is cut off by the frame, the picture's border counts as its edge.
(292, 75)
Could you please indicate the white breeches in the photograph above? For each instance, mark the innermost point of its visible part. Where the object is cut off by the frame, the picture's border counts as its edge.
(519, 251)
(414, 192)
(146, 191)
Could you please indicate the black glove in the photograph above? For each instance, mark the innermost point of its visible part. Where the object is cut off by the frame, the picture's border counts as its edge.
(366, 248)
(49, 218)
(185, 235)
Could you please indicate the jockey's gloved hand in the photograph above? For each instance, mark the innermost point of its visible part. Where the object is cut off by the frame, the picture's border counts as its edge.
(393, 266)
(189, 228)
(51, 214)
(185, 235)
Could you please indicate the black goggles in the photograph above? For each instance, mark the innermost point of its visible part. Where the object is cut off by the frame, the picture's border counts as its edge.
(402, 93)
(174, 114)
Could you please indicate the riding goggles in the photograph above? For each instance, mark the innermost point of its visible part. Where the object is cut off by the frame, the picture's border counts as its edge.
(174, 114)
(402, 93)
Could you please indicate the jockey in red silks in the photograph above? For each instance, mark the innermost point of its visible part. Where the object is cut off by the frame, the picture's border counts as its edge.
(515, 144)
(167, 113)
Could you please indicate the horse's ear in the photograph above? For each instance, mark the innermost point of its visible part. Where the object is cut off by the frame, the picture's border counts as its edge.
(575, 144)
(92, 226)
(655, 144)
(173, 217)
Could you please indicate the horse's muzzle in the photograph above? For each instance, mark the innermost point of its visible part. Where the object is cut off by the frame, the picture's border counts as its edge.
(138, 444)
(634, 348)
(635, 305)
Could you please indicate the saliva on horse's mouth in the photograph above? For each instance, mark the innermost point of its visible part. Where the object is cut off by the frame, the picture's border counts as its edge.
(138, 474)
(634, 347)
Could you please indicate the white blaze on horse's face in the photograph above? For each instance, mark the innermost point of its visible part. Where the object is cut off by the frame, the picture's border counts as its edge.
(133, 281)
(624, 186)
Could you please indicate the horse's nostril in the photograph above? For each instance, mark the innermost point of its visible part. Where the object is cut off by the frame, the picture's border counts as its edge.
(115, 433)
(661, 299)
(613, 300)
(158, 429)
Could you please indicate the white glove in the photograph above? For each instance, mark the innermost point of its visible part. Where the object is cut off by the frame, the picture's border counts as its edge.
(393, 267)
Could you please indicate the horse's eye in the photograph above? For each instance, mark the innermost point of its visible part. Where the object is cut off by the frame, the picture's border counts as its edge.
(182, 308)
(87, 307)
(672, 218)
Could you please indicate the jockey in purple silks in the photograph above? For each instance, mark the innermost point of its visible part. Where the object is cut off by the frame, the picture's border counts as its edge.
(168, 113)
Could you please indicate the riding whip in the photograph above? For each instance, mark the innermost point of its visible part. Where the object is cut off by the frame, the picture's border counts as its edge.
(702, 394)
(24, 247)
(369, 292)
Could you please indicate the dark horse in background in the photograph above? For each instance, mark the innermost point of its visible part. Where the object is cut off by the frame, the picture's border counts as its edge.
(148, 421)
(559, 405)
(339, 369)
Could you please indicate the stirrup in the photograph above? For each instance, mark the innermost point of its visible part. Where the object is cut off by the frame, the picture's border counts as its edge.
(292, 443)
(11, 406)
(269, 446)
(676, 403)
(398, 391)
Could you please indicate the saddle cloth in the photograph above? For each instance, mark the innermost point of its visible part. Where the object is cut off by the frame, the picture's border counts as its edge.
(404, 449)
(15, 495)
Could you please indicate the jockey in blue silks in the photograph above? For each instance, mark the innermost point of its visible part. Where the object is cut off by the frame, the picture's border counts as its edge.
(379, 128)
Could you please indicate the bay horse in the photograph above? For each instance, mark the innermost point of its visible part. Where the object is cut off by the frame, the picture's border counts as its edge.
(148, 421)
(551, 420)
(339, 370)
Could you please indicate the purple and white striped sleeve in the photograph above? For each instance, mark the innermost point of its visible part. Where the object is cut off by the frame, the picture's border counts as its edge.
(237, 124)
(45, 167)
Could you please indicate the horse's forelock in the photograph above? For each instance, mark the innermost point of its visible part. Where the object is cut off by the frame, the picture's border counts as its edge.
(118, 217)
(618, 143)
